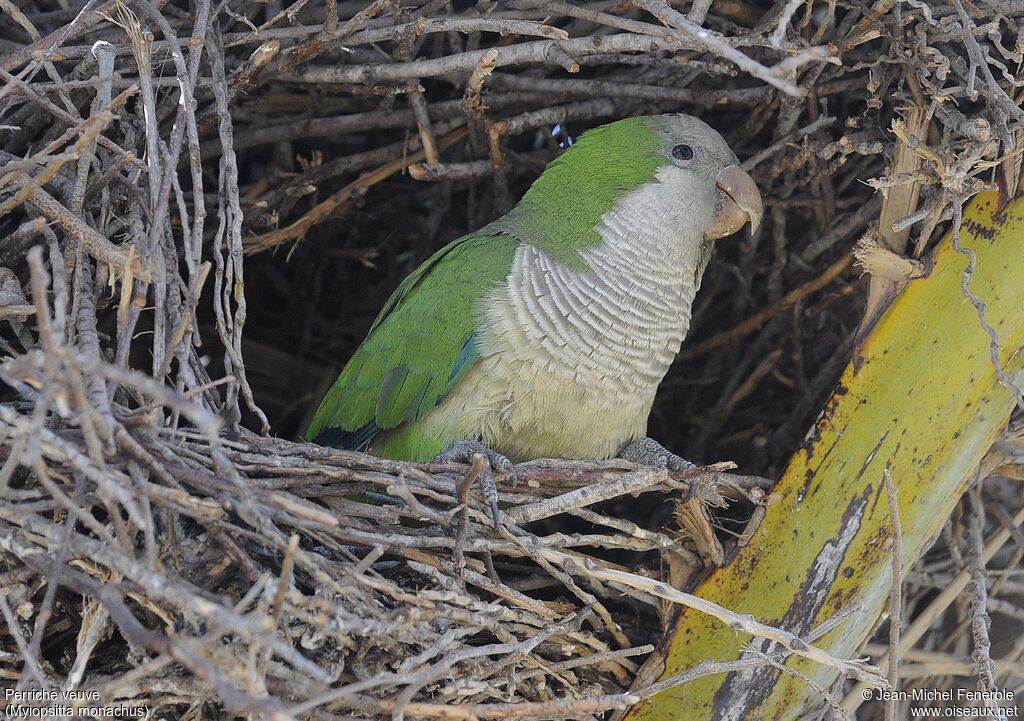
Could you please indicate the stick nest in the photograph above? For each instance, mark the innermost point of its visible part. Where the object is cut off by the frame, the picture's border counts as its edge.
(171, 173)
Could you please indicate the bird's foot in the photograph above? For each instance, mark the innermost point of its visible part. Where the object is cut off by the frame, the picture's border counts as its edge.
(463, 452)
(648, 452)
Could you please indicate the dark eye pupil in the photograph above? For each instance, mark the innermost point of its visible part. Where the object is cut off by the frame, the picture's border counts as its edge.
(682, 152)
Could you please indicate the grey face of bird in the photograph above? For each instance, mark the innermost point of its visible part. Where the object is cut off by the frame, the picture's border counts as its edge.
(694, 148)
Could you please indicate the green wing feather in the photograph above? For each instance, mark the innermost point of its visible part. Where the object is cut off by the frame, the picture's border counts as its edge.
(419, 346)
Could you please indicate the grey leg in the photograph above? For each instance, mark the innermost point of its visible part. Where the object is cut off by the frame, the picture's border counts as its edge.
(648, 452)
(463, 452)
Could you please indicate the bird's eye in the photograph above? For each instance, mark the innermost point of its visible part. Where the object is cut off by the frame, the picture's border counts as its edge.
(682, 152)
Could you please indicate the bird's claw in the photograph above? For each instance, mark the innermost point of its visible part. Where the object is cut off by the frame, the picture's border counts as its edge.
(463, 452)
(648, 452)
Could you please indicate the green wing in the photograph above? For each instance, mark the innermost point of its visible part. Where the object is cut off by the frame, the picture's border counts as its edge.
(418, 347)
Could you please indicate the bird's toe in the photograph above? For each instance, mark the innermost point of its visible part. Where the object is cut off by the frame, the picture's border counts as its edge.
(648, 452)
(496, 464)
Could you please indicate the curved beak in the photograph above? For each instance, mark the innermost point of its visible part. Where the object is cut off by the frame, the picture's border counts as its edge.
(737, 201)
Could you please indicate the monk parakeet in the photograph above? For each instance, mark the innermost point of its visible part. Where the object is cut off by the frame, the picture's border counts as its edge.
(547, 332)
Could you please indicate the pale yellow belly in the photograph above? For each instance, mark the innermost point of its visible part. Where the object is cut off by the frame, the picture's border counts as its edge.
(524, 412)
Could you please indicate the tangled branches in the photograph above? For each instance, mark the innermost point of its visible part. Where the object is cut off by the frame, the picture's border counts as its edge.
(170, 171)
(170, 522)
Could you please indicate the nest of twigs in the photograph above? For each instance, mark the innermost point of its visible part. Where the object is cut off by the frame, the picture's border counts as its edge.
(202, 207)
